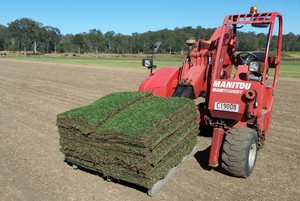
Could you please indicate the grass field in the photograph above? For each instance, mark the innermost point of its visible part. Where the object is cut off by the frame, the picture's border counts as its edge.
(290, 69)
(100, 61)
(290, 66)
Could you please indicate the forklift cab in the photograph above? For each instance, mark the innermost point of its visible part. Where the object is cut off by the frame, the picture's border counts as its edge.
(264, 60)
(255, 63)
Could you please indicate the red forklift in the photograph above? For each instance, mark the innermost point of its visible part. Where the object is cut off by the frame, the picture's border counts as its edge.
(236, 89)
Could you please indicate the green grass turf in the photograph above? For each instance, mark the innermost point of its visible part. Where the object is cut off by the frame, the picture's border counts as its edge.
(168, 124)
(111, 153)
(158, 138)
(147, 179)
(103, 106)
(139, 118)
(98, 111)
(124, 112)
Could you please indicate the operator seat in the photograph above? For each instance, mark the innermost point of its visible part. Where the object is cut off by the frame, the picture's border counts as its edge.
(255, 76)
(245, 59)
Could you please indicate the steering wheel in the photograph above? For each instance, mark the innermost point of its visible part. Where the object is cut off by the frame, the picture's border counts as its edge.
(246, 57)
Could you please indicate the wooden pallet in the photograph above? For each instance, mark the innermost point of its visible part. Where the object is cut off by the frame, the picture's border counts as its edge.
(158, 185)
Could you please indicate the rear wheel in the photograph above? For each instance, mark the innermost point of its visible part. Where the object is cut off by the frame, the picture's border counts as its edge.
(239, 151)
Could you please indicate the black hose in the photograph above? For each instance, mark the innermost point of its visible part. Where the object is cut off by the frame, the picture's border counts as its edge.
(247, 110)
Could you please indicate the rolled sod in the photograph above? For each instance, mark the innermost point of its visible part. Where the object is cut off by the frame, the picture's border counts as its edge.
(130, 136)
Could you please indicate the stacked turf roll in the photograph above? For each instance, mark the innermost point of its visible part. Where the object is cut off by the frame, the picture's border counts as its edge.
(129, 136)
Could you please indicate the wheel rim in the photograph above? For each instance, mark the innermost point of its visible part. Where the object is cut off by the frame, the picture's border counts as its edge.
(252, 154)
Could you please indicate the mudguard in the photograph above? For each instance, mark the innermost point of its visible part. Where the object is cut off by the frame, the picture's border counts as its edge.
(163, 82)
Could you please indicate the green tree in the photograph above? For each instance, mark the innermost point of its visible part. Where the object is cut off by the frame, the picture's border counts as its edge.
(66, 44)
(136, 46)
(52, 38)
(78, 40)
(4, 39)
(26, 34)
(290, 42)
(96, 40)
(23, 31)
(109, 38)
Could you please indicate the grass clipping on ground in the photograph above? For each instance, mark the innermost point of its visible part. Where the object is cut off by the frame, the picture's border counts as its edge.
(130, 136)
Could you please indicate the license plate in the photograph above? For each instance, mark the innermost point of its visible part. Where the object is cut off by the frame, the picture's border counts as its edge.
(228, 107)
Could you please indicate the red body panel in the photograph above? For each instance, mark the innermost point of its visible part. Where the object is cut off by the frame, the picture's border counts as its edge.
(162, 83)
(229, 91)
(196, 77)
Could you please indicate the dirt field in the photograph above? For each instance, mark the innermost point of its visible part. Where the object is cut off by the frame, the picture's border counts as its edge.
(33, 168)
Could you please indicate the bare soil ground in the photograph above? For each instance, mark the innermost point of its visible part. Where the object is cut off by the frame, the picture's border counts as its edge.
(33, 168)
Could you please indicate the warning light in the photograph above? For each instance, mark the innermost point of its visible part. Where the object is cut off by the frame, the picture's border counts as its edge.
(253, 10)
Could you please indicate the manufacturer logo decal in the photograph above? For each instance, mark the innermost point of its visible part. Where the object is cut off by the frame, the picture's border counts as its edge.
(230, 87)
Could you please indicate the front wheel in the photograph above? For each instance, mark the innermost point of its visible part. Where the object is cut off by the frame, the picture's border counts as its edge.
(239, 151)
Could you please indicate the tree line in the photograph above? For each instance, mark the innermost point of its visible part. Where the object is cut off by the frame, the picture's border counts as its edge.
(28, 35)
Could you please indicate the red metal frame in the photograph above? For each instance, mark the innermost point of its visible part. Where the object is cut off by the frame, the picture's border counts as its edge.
(208, 69)
(260, 109)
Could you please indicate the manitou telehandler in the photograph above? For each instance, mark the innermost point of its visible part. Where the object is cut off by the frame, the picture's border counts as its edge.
(236, 88)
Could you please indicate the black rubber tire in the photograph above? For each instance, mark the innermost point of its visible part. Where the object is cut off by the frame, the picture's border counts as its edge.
(239, 152)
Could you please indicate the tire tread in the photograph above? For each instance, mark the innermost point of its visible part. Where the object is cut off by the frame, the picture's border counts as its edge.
(234, 156)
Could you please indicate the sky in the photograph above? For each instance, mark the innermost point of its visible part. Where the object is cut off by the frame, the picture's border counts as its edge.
(130, 16)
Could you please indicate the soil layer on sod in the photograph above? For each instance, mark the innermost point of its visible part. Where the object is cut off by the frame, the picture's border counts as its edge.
(130, 136)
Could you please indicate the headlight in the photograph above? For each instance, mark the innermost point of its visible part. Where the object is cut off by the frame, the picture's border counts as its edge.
(254, 66)
(148, 62)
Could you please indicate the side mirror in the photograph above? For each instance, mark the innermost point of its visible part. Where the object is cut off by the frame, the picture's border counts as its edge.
(156, 46)
(148, 62)
(260, 25)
